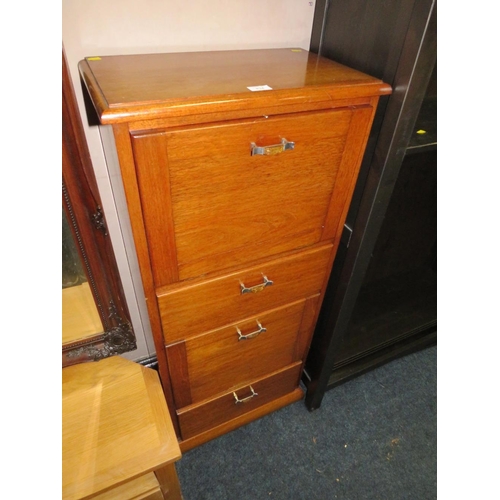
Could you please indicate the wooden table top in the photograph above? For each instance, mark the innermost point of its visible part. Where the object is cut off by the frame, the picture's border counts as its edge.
(116, 426)
(126, 87)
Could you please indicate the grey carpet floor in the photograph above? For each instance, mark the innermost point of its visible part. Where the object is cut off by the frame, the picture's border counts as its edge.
(374, 437)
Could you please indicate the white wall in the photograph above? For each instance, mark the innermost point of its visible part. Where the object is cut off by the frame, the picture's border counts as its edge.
(110, 27)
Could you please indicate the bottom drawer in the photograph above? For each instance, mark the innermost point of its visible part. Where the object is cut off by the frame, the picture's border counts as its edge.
(198, 418)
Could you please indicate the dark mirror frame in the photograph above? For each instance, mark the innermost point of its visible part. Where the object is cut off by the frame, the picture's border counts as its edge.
(82, 203)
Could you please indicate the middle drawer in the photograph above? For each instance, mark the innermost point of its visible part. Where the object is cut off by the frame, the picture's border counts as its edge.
(191, 308)
(204, 366)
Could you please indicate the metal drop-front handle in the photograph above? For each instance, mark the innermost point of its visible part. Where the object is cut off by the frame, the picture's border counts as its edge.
(252, 334)
(271, 150)
(236, 400)
(256, 288)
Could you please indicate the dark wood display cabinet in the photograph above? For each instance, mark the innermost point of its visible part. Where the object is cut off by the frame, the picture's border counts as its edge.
(381, 300)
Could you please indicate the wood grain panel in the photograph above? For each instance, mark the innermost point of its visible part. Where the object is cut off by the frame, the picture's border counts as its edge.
(308, 320)
(245, 418)
(271, 109)
(179, 373)
(169, 482)
(130, 184)
(348, 170)
(229, 206)
(116, 426)
(199, 418)
(150, 153)
(218, 361)
(205, 304)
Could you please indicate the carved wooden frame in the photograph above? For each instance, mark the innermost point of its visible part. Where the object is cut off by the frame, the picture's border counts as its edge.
(81, 201)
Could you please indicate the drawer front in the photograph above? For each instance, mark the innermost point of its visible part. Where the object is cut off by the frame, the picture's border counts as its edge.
(208, 201)
(201, 417)
(204, 305)
(232, 356)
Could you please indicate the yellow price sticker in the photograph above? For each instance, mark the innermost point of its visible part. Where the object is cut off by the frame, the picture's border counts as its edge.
(421, 132)
(93, 58)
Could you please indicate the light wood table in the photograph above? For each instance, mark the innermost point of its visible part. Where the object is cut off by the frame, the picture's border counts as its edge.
(118, 438)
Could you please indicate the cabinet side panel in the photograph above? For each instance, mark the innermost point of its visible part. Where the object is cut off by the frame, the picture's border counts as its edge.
(127, 166)
(150, 153)
(306, 328)
(179, 371)
(349, 168)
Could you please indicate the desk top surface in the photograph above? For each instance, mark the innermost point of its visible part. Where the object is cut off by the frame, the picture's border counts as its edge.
(130, 86)
(116, 426)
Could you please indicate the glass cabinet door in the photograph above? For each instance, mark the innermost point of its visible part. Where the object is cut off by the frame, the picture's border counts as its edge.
(398, 297)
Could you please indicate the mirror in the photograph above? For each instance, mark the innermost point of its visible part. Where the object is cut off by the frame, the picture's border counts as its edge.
(80, 315)
(96, 322)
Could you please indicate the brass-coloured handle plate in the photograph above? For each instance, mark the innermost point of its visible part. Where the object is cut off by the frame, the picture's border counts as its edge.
(251, 335)
(271, 150)
(237, 400)
(256, 288)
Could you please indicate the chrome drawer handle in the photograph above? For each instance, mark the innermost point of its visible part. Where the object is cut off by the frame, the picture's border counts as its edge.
(256, 288)
(271, 150)
(252, 334)
(244, 399)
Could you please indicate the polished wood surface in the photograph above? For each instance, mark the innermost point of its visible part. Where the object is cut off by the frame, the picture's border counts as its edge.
(209, 218)
(134, 206)
(169, 482)
(213, 360)
(205, 304)
(249, 416)
(126, 88)
(116, 426)
(201, 417)
(229, 206)
(348, 170)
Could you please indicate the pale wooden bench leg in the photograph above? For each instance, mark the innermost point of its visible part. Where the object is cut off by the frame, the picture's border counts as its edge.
(169, 482)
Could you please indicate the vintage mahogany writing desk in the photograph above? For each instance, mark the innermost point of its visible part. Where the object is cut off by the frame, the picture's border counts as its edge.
(238, 169)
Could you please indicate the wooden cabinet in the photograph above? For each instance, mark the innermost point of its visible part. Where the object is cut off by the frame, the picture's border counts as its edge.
(238, 169)
(382, 296)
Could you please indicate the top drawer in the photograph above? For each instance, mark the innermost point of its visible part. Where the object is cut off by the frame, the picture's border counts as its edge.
(208, 201)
